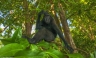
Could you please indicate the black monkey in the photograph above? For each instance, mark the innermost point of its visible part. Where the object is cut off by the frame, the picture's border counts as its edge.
(47, 30)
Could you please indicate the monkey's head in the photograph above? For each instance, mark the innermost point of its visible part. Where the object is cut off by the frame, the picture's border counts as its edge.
(47, 18)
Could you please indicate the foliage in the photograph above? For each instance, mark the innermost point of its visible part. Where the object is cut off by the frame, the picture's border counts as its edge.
(80, 14)
(10, 50)
(21, 48)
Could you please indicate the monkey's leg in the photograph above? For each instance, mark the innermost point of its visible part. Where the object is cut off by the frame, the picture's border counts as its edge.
(49, 36)
(40, 35)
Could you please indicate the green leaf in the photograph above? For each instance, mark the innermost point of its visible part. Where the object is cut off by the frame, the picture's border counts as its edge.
(30, 53)
(6, 41)
(27, 53)
(52, 55)
(29, 57)
(44, 44)
(55, 53)
(17, 35)
(92, 55)
(75, 55)
(10, 49)
(95, 53)
(24, 42)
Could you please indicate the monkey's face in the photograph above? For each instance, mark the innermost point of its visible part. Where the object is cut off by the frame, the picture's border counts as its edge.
(47, 19)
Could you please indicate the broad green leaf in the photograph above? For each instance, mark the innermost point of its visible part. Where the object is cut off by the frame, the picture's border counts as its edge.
(6, 41)
(29, 57)
(95, 53)
(44, 44)
(52, 55)
(30, 53)
(17, 35)
(10, 49)
(92, 55)
(55, 53)
(75, 55)
(24, 42)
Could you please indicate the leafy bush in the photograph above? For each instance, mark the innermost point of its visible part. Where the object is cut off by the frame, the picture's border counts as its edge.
(16, 46)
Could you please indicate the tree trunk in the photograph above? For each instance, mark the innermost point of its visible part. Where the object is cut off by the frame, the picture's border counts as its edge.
(28, 25)
(66, 29)
(57, 20)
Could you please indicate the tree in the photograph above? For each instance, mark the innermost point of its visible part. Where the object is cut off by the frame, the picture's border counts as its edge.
(75, 18)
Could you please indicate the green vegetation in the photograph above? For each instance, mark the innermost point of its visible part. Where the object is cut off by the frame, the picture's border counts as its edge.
(19, 17)
(16, 46)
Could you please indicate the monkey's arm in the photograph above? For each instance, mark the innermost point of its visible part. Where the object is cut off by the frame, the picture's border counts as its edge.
(62, 37)
(38, 22)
